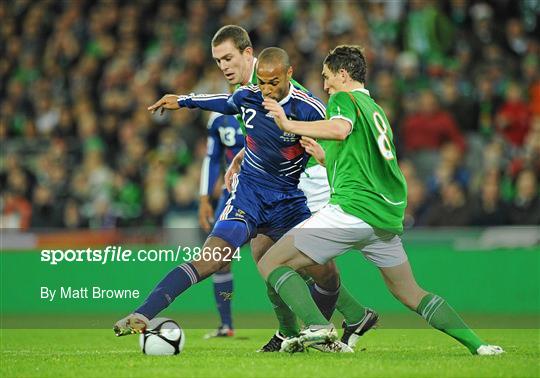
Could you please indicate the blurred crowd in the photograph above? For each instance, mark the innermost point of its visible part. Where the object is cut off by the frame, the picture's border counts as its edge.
(459, 81)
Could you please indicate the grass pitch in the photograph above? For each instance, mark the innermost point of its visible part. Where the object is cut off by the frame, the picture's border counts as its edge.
(381, 353)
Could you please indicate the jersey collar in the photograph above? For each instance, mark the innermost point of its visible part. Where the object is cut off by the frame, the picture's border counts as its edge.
(252, 76)
(288, 97)
(363, 90)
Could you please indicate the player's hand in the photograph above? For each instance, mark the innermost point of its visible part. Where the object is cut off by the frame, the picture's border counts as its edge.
(276, 110)
(314, 149)
(232, 171)
(168, 102)
(206, 214)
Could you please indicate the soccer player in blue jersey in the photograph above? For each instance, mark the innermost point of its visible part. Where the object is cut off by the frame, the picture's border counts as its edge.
(225, 140)
(265, 197)
(233, 53)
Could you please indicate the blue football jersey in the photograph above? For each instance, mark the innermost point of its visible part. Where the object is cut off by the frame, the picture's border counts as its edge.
(225, 140)
(273, 158)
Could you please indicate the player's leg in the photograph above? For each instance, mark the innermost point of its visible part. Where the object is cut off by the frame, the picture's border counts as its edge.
(434, 309)
(288, 210)
(324, 290)
(280, 264)
(328, 277)
(222, 284)
(278, 267)
(310, 243)
(287, 321)
(324, 286)
(226, 236)
(325, 235)
(357, 318)
(323, 280)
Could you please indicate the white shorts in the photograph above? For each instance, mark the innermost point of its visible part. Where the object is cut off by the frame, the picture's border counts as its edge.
(314, 184)
(332, 232)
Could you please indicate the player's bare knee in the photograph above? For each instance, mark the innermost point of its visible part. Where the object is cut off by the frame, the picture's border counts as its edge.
(218, 249)
(206, 268)
(256, 253)
(326, 276)
(259, 246)
(268, 263)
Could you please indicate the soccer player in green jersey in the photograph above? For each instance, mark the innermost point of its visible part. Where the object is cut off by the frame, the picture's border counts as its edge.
(366, 208)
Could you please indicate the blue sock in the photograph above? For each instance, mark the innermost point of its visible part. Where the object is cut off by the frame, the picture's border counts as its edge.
(325, 299)
(223, 289)
(175, 283)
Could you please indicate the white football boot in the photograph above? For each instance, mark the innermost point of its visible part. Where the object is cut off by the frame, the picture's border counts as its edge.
(333, 347)
(325, 334)
(131, 324)
(489, 350)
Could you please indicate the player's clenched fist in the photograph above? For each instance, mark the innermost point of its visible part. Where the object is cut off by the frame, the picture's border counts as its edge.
(169, 102)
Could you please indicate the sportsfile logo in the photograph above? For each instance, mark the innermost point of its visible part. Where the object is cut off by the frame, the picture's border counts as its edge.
(115, 254)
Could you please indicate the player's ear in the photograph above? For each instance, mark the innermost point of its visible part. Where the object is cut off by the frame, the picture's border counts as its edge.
(248, 51)
(289, 73)
(343, 75)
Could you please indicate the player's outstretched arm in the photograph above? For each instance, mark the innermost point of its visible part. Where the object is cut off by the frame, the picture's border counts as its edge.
(314, 149)
(167, 102)
(220, 103)
(234, 169)
(334, 129)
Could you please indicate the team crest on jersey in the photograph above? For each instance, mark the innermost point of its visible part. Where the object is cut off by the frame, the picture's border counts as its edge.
(288, 137)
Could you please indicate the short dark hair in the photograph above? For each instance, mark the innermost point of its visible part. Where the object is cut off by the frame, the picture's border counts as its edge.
(238, 35)
(274, 55)
(350, 59)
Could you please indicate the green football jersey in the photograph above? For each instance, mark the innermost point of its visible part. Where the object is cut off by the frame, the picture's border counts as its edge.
(363, 171)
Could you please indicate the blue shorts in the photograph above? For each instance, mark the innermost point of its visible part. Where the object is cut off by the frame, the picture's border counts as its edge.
(258, 210)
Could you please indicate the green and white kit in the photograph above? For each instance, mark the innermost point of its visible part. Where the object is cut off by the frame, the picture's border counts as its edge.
(368, 191)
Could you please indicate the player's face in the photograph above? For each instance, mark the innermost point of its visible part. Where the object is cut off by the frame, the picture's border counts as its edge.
(331, 81)
(235, 65)
(274, 80)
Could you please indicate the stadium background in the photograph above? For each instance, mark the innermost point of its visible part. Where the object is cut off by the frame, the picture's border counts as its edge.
(459, 82)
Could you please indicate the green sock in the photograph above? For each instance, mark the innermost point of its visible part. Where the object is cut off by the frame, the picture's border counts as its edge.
(294, 292)
(288, 324)
(349, 307)
(442, 316)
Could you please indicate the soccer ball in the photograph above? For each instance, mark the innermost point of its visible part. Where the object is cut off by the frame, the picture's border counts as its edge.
(164, 337)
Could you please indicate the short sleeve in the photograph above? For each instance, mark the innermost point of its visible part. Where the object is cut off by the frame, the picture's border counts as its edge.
(341, 106)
